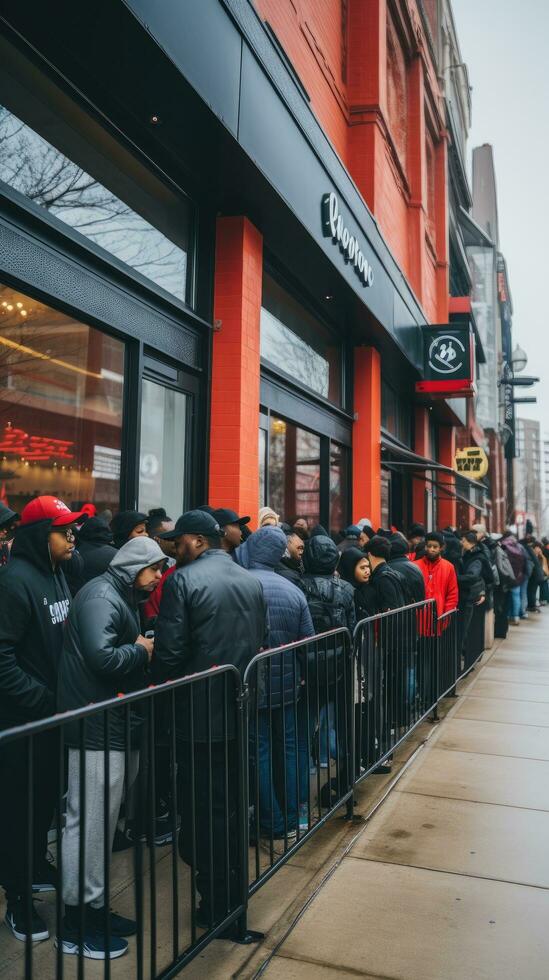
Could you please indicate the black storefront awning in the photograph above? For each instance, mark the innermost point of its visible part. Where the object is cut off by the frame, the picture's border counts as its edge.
(395, 456)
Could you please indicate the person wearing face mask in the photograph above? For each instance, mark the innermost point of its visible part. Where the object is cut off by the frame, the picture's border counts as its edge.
(34, 603)
(439, 575)
(104, 653)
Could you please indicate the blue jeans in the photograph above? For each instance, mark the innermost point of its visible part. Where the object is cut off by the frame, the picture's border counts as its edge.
(514, 602)
(279, 749)
(523, 597)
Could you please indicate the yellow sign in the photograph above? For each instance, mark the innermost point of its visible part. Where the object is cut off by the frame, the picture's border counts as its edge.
(471, 462)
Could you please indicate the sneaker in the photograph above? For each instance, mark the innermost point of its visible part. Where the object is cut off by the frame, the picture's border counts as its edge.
(45, 878)
(120, 925)
(303, 818)
(17, 921)
(94, 944)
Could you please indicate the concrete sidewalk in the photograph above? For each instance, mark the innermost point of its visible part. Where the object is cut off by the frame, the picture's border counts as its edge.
(450, 878)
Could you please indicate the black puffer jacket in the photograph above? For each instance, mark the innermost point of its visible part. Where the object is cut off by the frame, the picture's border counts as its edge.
(414, 585)
(34, 602)
(100, 656)
(212, 612)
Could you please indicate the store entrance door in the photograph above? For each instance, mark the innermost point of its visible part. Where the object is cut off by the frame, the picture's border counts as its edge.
(167, 407)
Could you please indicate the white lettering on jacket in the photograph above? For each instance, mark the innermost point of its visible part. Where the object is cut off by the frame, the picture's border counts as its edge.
(59, 611)
(333, 227)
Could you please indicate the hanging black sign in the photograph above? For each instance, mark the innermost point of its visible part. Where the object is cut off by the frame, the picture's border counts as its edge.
(448, 361)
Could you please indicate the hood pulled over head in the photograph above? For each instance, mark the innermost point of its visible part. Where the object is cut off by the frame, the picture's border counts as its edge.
(348, 562)
(95, 529)
(133, 557)
(321, 555)
(263, 549)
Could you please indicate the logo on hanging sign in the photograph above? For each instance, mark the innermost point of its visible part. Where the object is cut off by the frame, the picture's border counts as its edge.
(334, 227)
(446, 354)
(471, 462)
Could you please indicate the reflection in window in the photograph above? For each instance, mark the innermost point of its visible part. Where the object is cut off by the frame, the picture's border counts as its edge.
(294, 471)
(35, 168)
(338, 488)
(61, 388)
(162, 455)
(262, 467)
(294, 341)
(396, 414)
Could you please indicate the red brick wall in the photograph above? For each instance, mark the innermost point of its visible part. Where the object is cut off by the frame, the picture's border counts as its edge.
(368, 82)
(314, 36)
(234, 451)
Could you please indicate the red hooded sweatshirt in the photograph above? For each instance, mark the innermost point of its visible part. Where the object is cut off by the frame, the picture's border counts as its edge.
(440, 583)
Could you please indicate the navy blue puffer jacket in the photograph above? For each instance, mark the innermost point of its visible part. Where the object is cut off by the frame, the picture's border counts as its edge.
(289, 616)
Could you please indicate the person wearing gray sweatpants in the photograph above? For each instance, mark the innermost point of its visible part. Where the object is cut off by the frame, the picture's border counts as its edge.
(104, 655)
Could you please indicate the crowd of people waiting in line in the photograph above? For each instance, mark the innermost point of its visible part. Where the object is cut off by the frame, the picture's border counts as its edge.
(94, 605)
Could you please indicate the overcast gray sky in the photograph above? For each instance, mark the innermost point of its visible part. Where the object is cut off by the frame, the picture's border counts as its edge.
(504, 44)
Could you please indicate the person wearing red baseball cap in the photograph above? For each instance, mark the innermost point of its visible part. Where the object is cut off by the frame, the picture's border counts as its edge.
(34, 603)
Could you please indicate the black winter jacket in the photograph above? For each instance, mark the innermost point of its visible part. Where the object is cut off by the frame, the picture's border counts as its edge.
(100, 656)
(212, 612)
(34, 602)
(291, 568)
(387, 586)
(414, 585)
(474, 575)
(96, 548)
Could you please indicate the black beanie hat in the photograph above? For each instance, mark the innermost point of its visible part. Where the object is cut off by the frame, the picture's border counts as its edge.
(123, 524)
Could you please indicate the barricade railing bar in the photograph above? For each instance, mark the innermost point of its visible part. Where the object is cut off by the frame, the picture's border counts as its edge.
(300, 723)
(230, 774)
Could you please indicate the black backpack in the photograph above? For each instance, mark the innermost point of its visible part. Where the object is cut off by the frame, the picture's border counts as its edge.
(328, 603)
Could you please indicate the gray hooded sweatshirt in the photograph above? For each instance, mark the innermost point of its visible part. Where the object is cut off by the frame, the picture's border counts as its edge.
(101, 658)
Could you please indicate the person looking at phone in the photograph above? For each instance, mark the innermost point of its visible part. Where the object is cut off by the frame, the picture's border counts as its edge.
(104, 654)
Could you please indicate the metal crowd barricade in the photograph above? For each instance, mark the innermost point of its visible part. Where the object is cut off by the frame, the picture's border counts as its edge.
(232, 774)
(193, 732)
(448, 661)
(300, 723)
(395, 680)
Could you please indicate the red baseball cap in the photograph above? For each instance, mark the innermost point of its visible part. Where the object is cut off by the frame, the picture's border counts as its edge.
(52, 509)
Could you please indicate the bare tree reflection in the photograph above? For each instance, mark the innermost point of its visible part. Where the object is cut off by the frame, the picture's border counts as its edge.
(38, 170)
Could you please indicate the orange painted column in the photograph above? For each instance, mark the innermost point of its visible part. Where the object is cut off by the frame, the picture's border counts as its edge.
(446, 453)
(234, 434)
(422, 446)
(367, 435)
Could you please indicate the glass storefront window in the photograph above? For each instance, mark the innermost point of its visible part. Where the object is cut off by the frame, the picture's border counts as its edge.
(396, 414)
(338, 488)
(61, 390)
(294, 341)
(294, 471)
(69, 165)
(262, 467)
(162, 455)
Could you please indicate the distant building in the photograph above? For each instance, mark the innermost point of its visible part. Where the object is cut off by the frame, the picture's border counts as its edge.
(528, 478)
(545, 478)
